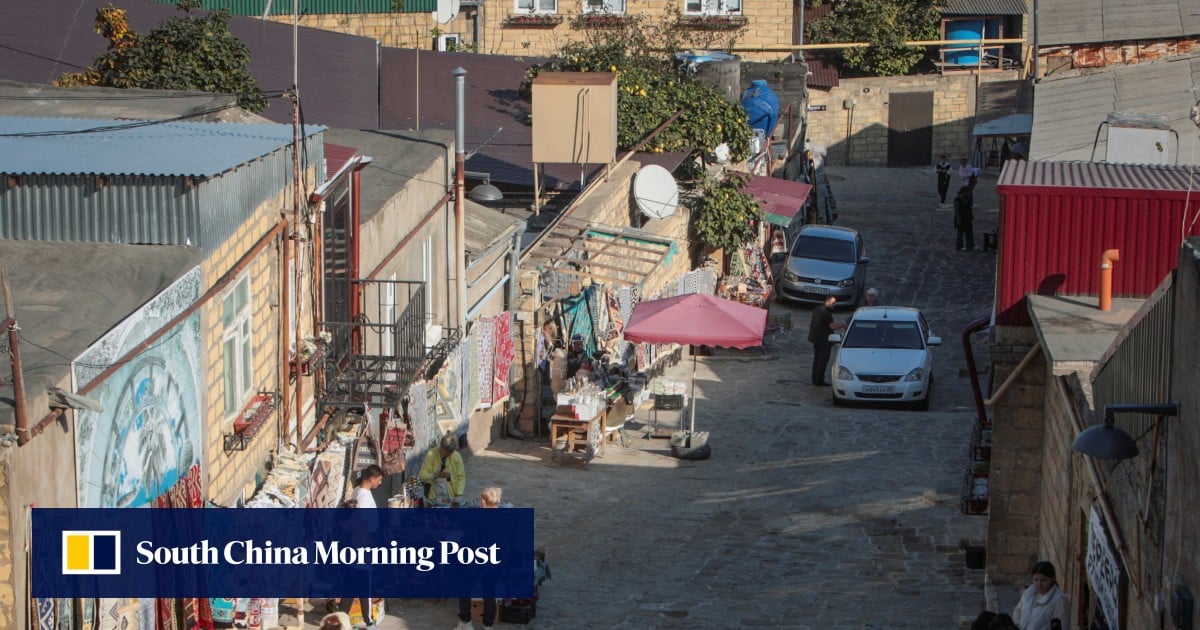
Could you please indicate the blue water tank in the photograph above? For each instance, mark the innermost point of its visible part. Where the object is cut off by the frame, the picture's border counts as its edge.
(762, 106)
(963, 29)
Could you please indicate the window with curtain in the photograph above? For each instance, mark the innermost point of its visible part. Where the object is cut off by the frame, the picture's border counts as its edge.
(604, 6)
(712, 7)
(537, 6)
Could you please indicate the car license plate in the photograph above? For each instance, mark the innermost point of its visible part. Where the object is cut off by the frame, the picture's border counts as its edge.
(879, 389)
(819, 290)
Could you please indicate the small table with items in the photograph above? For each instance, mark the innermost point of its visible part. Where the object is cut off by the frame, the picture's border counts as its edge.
(581, 437)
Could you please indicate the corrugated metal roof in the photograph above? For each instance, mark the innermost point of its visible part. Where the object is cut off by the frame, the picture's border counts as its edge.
(824, 72)
(336, 157)
(1096, 175)
(1067, 112)
(483, 227)
(1091, 21)
(984, 7)
(64, 146)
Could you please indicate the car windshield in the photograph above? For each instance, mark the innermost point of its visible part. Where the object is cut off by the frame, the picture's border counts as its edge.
(821, 248)
(883, 334)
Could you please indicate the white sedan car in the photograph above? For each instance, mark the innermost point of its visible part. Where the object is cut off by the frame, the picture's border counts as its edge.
(884, 356)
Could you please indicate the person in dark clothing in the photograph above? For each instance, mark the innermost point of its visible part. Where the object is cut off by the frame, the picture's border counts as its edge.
(964, 219)
(943, 178)
(818, 334)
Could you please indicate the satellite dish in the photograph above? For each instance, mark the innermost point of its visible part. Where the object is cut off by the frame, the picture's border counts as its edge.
(446, 10)
(655, 192)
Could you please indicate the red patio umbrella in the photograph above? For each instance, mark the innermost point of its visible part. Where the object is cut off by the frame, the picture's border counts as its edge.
(699, 320)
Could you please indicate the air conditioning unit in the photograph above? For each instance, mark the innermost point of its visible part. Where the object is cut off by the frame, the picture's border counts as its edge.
(449, 42)
(433, 335)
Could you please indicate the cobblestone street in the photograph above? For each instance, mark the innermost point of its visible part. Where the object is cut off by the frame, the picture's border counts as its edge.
(807, 515)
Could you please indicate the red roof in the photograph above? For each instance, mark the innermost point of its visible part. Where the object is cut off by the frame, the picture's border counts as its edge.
(778, 196)
(336, 157)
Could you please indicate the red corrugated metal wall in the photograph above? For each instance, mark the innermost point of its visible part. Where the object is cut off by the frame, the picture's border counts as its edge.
(1051, 240)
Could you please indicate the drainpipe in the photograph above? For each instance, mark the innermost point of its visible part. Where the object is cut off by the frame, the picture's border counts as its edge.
(1109, 257)
(972, 370)
(460, 161)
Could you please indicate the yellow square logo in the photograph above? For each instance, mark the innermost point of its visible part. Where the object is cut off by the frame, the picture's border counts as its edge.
(91, 552)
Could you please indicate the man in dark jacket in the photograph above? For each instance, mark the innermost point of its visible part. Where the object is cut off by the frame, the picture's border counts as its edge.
(818, 334)
(943, 178)
(964, 219)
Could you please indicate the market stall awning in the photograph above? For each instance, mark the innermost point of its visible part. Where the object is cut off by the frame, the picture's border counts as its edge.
(779, 199)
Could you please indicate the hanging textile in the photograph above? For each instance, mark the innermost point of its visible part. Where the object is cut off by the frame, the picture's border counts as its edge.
(168, 616)
(577, 320)
(465, 356)
(87, 613)
(598, 309)
(328, 478)
(421, 423)
(65, 613)
(447, 399)
(485, 330)
(504, 355)
(45, 613)
(393, 447)
(541, 350)
(472, 369)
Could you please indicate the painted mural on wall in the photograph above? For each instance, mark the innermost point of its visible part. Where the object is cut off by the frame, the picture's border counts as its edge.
(148, 435)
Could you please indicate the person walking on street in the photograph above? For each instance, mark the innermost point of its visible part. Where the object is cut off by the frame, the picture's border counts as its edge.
(943, 178)
(368, 479)
(1042, 603)
(489, 498)
(964, 219)
(819, 328)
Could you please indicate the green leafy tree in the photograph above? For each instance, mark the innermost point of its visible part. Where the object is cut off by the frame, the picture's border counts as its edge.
(651, 87)
(886, 25)
(723, 216)
(195, 51)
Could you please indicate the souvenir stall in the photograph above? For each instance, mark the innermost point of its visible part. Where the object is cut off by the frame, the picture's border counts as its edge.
(749, 280)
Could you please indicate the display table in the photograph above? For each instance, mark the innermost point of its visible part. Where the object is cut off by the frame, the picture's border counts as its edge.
(582, 437)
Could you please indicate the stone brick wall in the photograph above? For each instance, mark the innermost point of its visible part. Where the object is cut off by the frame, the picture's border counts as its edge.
(1018, 421)
(859, 137)
(769, 24)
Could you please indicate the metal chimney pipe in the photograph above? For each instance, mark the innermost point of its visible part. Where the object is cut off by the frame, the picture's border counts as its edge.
(1107, 259)
(460, 178)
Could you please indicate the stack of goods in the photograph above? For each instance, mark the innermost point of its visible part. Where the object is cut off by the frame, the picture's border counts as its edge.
(285, 486)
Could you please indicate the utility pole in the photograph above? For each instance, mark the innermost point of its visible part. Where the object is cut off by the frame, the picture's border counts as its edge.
(14, 354)
(298, 270)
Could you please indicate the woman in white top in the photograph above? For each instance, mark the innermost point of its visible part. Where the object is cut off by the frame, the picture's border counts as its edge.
(1043, 602)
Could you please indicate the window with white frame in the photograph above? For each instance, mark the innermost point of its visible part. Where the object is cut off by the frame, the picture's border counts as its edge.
(427, 276)
(236, 346)
(616, 7)
(537, 6)
(712, 7)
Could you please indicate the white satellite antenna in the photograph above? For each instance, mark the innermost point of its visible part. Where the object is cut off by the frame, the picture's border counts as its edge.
(655, 192)
(446, 10)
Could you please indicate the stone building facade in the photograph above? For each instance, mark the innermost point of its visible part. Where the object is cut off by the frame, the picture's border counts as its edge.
(859, 136)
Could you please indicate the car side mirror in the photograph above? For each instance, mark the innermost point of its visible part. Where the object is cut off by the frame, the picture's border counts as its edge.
(933, 341)
(864, 260)
(835, 337)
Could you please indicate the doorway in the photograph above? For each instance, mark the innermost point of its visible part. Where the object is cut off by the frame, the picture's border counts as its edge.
(910, 129)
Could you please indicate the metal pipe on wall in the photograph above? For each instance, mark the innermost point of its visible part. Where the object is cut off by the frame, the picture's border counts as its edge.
(460, 204)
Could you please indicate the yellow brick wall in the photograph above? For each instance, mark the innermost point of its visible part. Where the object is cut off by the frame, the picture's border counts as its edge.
(7, 594)
(228, 474)
(770, 24)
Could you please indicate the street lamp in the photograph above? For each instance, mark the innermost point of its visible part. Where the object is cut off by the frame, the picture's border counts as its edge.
(1107, 441)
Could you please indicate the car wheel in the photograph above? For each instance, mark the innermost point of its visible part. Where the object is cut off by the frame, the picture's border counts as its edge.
(837, 402)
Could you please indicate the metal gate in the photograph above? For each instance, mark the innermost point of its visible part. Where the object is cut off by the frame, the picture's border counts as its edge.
(910, 129)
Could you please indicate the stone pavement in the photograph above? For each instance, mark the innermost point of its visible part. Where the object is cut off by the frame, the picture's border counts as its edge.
(807, 515)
